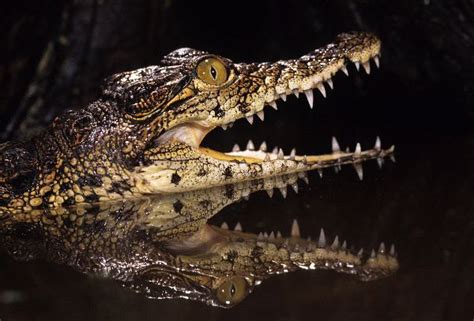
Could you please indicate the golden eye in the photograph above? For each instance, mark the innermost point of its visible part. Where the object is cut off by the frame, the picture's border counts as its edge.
(212, 71)
(232, 291)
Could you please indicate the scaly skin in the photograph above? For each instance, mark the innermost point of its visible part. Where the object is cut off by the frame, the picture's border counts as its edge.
(163, 248)
(143, 135)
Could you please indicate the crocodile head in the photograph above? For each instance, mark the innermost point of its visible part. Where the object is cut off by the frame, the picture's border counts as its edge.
(144, 134)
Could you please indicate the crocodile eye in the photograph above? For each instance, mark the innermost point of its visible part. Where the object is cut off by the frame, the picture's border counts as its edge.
(232, 291)
(212, 71)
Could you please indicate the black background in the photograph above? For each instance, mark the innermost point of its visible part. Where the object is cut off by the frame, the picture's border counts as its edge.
(55, 55)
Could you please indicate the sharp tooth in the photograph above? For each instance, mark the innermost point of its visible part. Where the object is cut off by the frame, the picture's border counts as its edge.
(279, 236)
(224, 226)
(263, 146)
(372, 254)
(267, 158)
(357, 64)
(366, 66)
(344, 245)
(392, 250)
(320, 172)
(274, 105)
(283, 191)
(261, 115)
(295, 187)
(335, 145)
(271, 236)
(250, 119)
(309, 97)
(361, 252)
(280, 154)
(275, 150)
(296, 93)
(236, 148)
(260, 236)
(230, 124)
(344, 70)
(269, 192)
(335, 244)
(283, 97)
(377, 61)
(358, 150)
(293, 154)
(322, 89)
(265, 235)
(378, 143)
(330, 83)
(392, 158)
(322, 239)
(238, 227)
(224, 127)
(382, 248)
(359, 170)
(380, 162)
(304, 177)
(295, 229)
(250, 145)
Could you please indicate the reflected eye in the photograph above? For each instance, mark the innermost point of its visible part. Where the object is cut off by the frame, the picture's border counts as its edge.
(232, 290)
(212, 71)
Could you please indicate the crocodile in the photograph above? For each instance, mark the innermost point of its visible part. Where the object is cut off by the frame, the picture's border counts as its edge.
(163, 247)
(143, 134)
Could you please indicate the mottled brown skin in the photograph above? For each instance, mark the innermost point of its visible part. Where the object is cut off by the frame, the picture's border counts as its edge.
(163, 248)
(142, 135)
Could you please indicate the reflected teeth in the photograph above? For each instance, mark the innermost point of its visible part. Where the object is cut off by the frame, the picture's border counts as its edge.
(309, 97)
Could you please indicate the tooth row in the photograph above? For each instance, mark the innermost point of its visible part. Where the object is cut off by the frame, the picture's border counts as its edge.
(321, 243)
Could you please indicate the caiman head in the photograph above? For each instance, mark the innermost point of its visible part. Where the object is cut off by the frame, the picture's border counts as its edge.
(144, 134)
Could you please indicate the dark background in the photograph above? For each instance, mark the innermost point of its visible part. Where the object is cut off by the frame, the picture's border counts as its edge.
(55, 54)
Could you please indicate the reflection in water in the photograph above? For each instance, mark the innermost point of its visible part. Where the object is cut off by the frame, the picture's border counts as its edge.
(162, 246)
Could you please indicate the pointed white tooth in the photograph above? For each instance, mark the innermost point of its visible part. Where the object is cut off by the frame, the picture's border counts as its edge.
(269, 192)
(357, 64)
(283, 191)
(335, 145)
(377, 61)
(380, 162)
(382, 248)
(274, 105)
(230, 124)
(250, 119)
(322, 89)
(378, 143)
(344, 245)
(261, 115)
(359, 170)
(295, 229)
(372, 254)
(224, 226)
(344, 70)
(224, 127)
(366, 66)
(320, 172)
(304, 177)
(260, 236)
(236, 148)
(295, 187)
(293, 154)
(280, 154)
(265, 235)
(263, 146)
(283, 97)
(296, 93)
(271, 236)
(238, 227)
(279, 236)
(250, 145)
(275, 150)
(335, 244)
(330, 83)
(322, 239)
(358, 149)
(309, 97)
(267, 158)
(392, 250)
(361, 252)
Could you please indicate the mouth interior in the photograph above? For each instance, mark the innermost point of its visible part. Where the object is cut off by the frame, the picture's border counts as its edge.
(193, 133)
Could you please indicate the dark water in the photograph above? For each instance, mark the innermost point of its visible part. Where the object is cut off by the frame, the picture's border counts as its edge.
(421, 100)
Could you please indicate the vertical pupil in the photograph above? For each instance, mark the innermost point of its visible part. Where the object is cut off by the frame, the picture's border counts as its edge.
(213, 72)
(232, 290)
